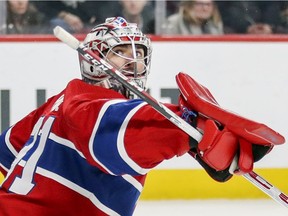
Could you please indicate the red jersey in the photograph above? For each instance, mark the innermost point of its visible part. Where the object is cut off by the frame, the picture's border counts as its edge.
(86, 151)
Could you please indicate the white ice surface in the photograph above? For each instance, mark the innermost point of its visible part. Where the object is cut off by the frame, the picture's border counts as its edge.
(265, 207)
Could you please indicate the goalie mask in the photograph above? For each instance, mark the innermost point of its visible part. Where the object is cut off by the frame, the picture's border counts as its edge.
(125, 47)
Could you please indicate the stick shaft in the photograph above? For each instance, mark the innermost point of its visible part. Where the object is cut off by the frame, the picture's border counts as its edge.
(267, 188)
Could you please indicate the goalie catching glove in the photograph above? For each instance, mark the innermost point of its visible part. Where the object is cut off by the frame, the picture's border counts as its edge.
(230, 143)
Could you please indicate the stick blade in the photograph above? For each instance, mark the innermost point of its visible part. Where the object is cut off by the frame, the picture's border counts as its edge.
(66, 37)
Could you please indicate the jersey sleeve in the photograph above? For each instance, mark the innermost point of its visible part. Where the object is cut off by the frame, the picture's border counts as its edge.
(122, 136)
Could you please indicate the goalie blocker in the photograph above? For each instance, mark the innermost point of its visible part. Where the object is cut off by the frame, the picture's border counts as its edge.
(230, 143)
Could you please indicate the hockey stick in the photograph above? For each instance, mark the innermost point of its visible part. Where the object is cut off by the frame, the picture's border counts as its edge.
(71, 41)
(267, 188)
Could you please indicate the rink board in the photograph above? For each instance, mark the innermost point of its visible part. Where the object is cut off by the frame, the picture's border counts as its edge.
(247, 75)
(196, 184)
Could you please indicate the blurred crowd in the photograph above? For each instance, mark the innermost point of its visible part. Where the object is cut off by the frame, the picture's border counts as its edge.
(189, 17)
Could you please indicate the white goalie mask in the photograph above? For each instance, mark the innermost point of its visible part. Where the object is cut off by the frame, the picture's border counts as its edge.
(105, 39)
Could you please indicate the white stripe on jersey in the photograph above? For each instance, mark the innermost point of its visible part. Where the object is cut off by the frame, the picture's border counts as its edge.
(121, 146)
(65, 142)
(134, 182)
(101, 113)
(3, 167)
(73, 187)
(8, 143)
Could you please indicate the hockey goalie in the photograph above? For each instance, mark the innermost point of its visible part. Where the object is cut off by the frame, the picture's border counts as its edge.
(88, 149)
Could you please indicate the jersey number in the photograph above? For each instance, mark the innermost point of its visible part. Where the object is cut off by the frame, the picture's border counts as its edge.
(24, 184)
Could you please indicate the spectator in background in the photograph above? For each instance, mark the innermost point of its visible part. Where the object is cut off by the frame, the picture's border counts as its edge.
(172, 7)
(252, 17)
(77, 16)
(282, 25)
(195, 17)
(24, 18)
(140, 12)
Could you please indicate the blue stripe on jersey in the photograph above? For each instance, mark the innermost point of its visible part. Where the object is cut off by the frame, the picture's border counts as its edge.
(6, 156)
(105, 140)
(113, 191)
